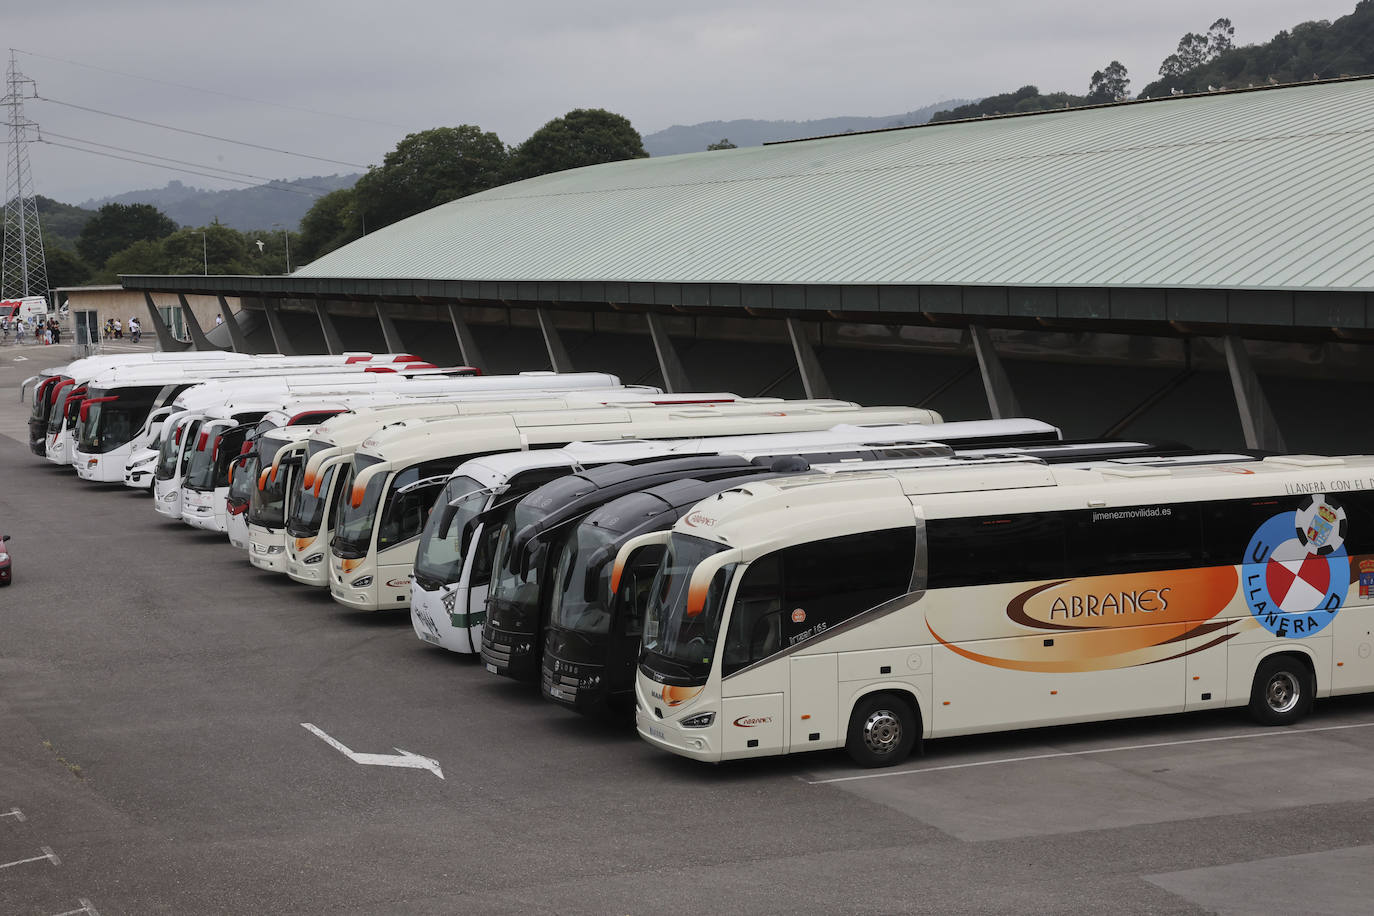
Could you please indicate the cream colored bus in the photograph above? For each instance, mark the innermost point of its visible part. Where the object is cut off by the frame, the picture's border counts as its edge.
(873, 609)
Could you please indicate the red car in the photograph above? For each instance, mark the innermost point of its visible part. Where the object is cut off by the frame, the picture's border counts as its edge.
(4, 561)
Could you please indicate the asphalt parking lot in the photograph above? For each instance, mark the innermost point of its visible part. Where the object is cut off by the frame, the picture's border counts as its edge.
(153, 759)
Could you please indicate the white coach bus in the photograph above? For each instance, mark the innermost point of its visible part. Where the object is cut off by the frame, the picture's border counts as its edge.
(874, 609)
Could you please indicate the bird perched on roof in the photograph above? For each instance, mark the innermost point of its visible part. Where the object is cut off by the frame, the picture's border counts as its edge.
(1173, 91)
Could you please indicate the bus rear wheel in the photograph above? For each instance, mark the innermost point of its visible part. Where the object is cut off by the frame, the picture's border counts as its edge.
(882, 731)
(1282, 691)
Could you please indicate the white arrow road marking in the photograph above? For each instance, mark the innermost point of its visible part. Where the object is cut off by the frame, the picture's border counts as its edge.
(399, 759)
(47, 854)
(14, 813)
(86, 907)
(21, 359)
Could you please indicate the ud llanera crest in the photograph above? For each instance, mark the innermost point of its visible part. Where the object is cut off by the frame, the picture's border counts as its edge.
(1296, 571)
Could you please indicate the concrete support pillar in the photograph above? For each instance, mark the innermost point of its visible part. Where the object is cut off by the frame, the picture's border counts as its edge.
(280, 342)
(332, 342)
(390, 336)
(813, 378)
(198, 338)
(558, 356)
(467, 343)
(1256, 418)
(1001, 397)
(674, 376)
(237, 339)
(166, 342)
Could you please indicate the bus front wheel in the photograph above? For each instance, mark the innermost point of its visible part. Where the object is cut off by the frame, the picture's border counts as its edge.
(1283, 690)
(882, 731)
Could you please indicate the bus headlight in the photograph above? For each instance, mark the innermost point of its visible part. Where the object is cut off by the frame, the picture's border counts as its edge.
(700, 720)
(313, 559)
(364, 582)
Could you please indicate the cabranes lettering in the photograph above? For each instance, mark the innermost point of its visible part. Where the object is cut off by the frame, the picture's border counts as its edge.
(1145, 601)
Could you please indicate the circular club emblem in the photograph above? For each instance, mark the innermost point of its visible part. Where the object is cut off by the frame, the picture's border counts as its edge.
(1321, 526)
(799, 616)
(1293, 587)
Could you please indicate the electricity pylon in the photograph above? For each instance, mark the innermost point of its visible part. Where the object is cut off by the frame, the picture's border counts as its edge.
(25, 271)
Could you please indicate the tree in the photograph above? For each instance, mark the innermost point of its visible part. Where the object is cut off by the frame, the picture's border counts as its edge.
(1109, 83)
(1219, 38)
(64, 268)
(116, 226)
(584, 136)
(330, 223)
(430, 168)
(142, 257)
(723, 144)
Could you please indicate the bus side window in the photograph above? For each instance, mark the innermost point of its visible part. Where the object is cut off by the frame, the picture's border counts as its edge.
(755, 631)
(1228, 526)
(827, 582)
(988, 549)
(1129, 539)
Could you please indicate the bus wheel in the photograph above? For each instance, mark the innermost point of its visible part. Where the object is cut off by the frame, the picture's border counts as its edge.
(1282, 692)
(882, 731)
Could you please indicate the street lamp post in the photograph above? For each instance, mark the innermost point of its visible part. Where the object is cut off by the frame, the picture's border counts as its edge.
(204, 255)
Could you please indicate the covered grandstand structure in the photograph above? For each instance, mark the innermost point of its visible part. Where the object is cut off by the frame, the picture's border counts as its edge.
(1196, 268)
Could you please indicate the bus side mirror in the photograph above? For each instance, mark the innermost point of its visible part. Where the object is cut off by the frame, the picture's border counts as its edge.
(446, 521)
(4, 537)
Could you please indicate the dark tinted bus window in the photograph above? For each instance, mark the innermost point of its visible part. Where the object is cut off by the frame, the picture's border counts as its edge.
(997, 548)
(1127, 539)
(1228, 526)
(1359, 517)
(800, 592)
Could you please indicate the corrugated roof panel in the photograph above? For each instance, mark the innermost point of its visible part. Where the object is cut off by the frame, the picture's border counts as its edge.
(1253, 190)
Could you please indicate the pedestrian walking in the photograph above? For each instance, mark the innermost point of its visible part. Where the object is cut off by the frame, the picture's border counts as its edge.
(56, 332)
(19, 331)
(119, 329)
(135, 330)
(47, 337)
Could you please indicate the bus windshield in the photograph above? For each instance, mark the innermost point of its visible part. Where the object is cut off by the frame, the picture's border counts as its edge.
(245, 481)
(514, 599)
(110, 424)
(170, 449)
(677, 642)
(353, 530)
(573, 608)
(267, 507)
(306, 516)
(200, 466)
(439, 558)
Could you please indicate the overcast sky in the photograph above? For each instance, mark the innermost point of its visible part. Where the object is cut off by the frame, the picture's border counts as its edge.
(407, 65)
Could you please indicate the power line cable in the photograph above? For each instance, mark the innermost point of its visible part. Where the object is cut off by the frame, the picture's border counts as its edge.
(228, 95)
(199, 165)
(159, 165)
(196, 133)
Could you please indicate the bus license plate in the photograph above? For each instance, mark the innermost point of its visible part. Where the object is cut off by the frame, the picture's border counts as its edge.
(492, 669)
(657, 733)
(557, 693)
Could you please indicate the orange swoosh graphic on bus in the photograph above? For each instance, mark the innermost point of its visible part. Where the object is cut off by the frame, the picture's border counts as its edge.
(302, 543)
(350, 565)
(1105, 622)
(676, 696)
(1129, 600)
(1090, 651)
(307, 479)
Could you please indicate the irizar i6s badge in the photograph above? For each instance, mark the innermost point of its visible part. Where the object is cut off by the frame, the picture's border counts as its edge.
(1297, 572)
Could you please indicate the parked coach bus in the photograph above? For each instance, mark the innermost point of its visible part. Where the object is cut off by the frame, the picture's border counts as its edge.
(596, 608)
(872, 610)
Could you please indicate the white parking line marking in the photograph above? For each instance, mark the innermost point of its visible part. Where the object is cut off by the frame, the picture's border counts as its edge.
(14, 813)
(47, 854)
(1273, 733)
(86, 907)
(399, 759)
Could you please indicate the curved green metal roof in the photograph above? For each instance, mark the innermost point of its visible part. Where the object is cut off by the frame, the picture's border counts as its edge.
(1266, 189)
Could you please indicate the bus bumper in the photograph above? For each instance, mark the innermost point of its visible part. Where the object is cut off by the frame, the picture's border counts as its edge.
(271, 557)
(315, 574)
(697, 743)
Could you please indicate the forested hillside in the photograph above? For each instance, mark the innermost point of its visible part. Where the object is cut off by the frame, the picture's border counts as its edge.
(283, 202)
